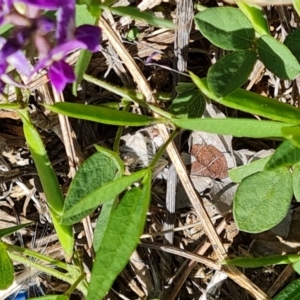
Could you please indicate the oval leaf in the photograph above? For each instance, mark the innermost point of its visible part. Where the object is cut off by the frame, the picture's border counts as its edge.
(292, 134)
(189, 104)
(296, 181)
(98, 196)
(97, 170)
(239, 173)
(6, 268)
(292, 41)
(230, 72)
(296, 266)
(292, 291)
(226, 27)
(262, 200)
(99, 114)
(277, 58)
(236, 127)
(120, 238)
(256, 16)
(286, 154)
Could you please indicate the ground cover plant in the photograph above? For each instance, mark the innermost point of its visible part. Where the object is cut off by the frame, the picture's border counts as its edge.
(107, 191)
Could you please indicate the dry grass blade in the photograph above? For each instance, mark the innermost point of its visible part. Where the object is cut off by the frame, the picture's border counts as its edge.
(143, 85)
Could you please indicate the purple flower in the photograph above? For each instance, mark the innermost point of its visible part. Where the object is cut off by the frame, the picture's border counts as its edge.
(60, 73)
(11, 55)
(50, 40)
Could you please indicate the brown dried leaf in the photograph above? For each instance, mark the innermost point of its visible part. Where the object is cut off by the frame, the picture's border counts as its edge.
(210, 162)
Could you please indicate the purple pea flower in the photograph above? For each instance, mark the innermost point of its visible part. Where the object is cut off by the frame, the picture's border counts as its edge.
(11, 55)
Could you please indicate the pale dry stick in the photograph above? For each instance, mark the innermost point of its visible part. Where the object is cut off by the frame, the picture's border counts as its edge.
(187, 254)
(281, 280)
(74, 160)
(189, 265)
(263, 2)
(144, 87)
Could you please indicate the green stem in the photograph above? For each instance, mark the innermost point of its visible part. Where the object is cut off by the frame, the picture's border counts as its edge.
(45, 258)
(120, 132)
(162, 149)
(75, 284)
(48, 270)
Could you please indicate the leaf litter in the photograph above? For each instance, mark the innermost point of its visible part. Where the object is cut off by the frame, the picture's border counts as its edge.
(147, 275)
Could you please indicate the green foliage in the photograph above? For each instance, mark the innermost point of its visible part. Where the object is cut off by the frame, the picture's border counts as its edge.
(6, 268)
(230, 72)
(292, 291)
(189, 104)
(249, 262)
(252, 103)
(49, 182)
(135, 13)
(97, 170)
(98, 196)
(256, 16)
(292, 41)
(277, 58)
(239, 173)
(100, 114)
(235, 127)
(120, 238)
(262, 200)
(285, 155)
(10, 230)
(296, 181)
(226, 27)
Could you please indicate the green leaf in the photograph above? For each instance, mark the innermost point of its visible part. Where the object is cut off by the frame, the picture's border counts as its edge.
(296, 5)
(103, 222)
(296, 266)
(239, 173)
(252, 103)
(100, 195)
(121, 238)
(277, 57)
(256, 16)
(184, 87)
(285, 155)
(230, 72)
(262, 200)
(296, 181)
(291, 292)
(189, 104)
(226, 27)
(236, 127)
(92, 6)
(10, 106)
(292, 134)
(6, 268)
(10, 230)
(49, 182)
(83, 16)
(99, 114)
(249, 262)
(292, 41)
(80, 68)
(97, 170)
(135, 13)
(51, 297)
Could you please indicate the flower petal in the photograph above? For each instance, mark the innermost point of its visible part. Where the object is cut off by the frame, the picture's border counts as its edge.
(60, 73)
(45, 4)
(89, 35)
(20, 62)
